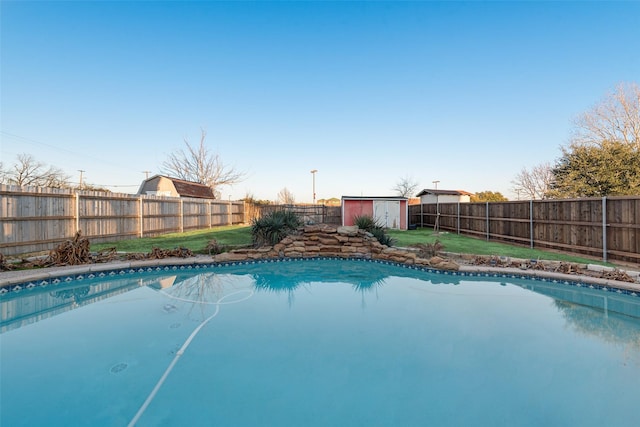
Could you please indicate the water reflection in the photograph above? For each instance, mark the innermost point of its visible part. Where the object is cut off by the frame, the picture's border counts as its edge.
(363, 278)
(588, 311)
(200, 293)
(75, 294)
(613, 329)
(32, 305)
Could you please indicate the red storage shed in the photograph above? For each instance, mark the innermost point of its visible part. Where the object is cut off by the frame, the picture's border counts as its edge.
(390, 212)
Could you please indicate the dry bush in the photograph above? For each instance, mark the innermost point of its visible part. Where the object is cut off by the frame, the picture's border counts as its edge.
(71, 252)
(428, 250)
(4, 266)
(214, 247)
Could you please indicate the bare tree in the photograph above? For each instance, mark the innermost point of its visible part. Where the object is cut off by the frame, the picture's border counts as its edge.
(285, 197)
(3, 174)
(615, 118)
(27, 171)
(406, 187)
(198, 164)
(535, 183)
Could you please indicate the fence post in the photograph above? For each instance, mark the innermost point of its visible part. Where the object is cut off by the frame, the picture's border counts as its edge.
(141, 216)
(209, 213)
(458, 221)
(604, 228)
(421, 215)
(230, 216)
(531, 223)
(181, 215)
(76, 212)
(487, 220)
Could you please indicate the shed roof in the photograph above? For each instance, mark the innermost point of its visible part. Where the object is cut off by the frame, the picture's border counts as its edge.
(444, 192)
(187, 188)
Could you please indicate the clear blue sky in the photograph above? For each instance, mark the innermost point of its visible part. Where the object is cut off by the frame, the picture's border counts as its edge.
(466, 93)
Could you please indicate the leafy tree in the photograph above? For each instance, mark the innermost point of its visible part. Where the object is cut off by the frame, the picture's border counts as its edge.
(249, 198)
(198, 164)
(610, 169)
(406, 187)
(92, 187)
(334, 201)
(27, 171)
(603, 157)
(488, 196)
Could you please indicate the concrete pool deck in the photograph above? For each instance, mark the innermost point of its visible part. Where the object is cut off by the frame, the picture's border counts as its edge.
(325, 241)
(14, 277)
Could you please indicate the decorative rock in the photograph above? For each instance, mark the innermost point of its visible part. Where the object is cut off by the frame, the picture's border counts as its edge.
(341, 242)
(328, 241)
(229, 256)
(348, 230)
(433, 261)
(449, 265)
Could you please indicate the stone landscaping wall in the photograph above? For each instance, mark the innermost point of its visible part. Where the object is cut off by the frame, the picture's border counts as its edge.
(331, 241)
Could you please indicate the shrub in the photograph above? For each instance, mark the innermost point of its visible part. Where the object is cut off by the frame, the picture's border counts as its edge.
(428, 250)
(367, 223)
(383, 237)
(273, 227)
(214, 248)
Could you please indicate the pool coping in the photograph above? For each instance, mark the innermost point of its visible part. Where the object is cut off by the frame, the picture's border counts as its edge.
(17, 280)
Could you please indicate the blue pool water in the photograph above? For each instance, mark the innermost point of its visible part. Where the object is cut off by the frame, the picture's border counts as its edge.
(317, 343)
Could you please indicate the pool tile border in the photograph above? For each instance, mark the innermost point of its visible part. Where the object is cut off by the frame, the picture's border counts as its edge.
(66, 276)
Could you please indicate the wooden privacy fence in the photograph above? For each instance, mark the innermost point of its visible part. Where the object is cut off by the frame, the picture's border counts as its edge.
(36, 219)
(607, 228)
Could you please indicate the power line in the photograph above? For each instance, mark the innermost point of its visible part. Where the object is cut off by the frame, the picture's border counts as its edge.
(82, 155)
(57, 148)
(22, 138)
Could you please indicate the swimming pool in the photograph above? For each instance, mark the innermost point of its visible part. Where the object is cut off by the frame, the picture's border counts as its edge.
(316, 343)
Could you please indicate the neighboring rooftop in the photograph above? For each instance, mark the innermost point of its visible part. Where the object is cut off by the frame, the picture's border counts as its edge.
(162, 185)
(444, 192)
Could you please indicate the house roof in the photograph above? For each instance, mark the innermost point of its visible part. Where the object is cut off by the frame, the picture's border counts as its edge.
(444, 192)
(193, 189)
(188, 188)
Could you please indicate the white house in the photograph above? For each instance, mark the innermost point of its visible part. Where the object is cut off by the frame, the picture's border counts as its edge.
(428, 196)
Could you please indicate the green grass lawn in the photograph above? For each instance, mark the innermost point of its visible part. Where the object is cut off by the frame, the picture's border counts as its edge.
(236, 236)
(456, 243)
(196, 241)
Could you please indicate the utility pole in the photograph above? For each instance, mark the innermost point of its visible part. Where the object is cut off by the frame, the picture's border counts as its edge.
(313, 173)
(81, 172)
(146, 174)
(436, 223)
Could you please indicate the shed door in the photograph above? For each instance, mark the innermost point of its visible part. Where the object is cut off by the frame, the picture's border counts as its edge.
(387, 213)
